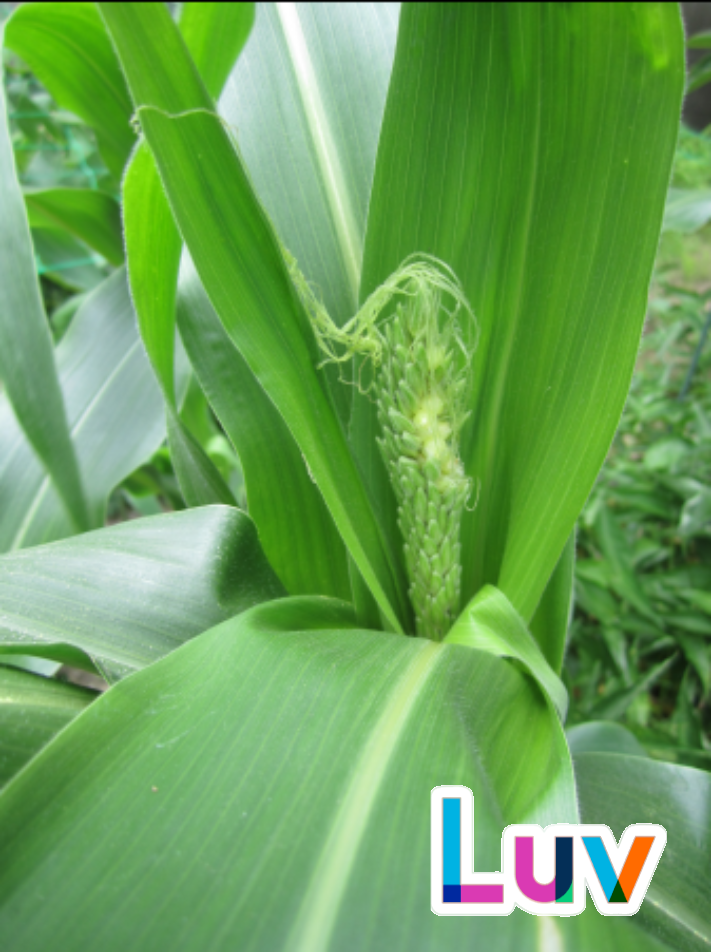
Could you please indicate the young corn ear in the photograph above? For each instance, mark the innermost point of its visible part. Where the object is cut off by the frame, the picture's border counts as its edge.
(421, 367)
(420, 413)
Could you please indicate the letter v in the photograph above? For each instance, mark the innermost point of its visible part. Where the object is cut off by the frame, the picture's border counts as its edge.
(618, 889)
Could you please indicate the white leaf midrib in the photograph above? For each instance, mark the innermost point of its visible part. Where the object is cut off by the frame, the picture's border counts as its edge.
(327, 156)
(317, 916)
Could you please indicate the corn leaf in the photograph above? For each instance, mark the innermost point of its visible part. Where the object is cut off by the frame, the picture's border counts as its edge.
(308, 112)
(66, 47)
(92, 216)
(487, 104)
(65, 260)
(115, 417)
(32, 711)
(153, 246)
(215, 33)
(240, 263)
(124, 596)
(288, 514)
(27, 368)
(490, 623)
(242, 720)
(307, 98)
(295, 527)
(597, 736)
(618, 789)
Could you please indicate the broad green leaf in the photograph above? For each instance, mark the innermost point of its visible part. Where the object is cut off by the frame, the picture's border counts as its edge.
(45, 667)
(115, 416)
(32, 710)
(619, 789)
(215, 32)
(490, 623)
(277, 142)
(240, 263)
(295, 527)
(591, 932)
(487, 103)
(274, 775)
(129, 594)
(153, 249)
(66, 47)
(92, 216)
(27, 368)
(291, 176)
(63, 315)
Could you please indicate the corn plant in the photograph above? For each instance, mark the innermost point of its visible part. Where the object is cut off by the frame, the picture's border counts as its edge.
(407, 255)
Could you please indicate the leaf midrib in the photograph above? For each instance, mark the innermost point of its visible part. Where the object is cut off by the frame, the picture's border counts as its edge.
(317, 916)
(333, 179)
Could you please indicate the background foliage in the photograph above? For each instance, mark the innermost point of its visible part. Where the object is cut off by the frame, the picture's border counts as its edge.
(640, 649)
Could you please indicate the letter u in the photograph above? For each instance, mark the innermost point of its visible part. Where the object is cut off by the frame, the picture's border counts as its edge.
(559, 888)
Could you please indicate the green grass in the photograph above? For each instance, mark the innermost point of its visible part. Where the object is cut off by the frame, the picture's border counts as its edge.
(640, 648)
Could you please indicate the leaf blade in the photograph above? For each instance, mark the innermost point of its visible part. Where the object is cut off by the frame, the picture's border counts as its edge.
(381, 678)
(32, 711)
(114, 411)
(172, 577)
(215, 32)
(617, 790)
(459, 177)
(490, 623)
(295, 527)
(27, 364)
(242, 268)
(90, 215)
(66, 46)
